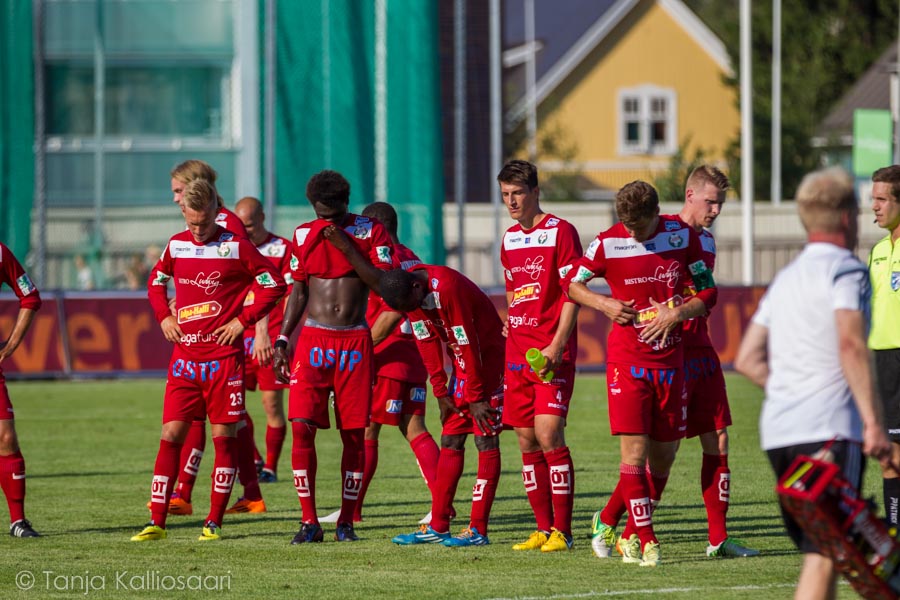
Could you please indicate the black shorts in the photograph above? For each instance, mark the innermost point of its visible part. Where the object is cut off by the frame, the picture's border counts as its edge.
(846, 454)
(887, 374)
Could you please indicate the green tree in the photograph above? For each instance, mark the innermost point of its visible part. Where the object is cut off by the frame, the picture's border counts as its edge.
(670, 185)
(825, 46)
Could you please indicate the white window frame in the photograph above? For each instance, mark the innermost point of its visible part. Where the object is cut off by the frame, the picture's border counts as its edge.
(645, 94)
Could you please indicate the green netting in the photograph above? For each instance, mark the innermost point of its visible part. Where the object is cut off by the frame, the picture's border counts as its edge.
(16, 125)
(326, 108)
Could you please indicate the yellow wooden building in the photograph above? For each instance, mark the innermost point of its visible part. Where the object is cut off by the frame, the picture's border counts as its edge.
(644, 77)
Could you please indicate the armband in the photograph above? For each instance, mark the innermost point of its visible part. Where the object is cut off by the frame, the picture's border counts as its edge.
(702, 275)
(281, 342)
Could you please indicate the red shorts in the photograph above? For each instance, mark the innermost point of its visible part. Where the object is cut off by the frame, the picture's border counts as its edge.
(392, 398)
(647, 401)
(213, 387)
(460, 425)
(6, 409)
(526, 396)
(704, 388)
(338, 360)
(256, 375)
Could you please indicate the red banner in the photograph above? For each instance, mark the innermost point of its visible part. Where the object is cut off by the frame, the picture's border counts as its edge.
(116, 333)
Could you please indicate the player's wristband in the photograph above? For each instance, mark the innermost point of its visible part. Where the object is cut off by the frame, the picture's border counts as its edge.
(281, 342)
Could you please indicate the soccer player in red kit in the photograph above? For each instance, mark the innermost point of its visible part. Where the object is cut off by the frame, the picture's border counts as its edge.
(334, 350)
(12, 464)
(708, 414)
(447, 309)
(258, 370)
(398, 398)
(647, 260)
(212, 271)
(536, 253)
(195, 443)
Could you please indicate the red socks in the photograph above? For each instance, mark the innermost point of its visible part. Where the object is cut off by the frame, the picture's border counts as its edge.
(615, 507)
(449, 470)
(223, 475)
(562, 486)
(485, 489)
(274, 442)
(352, 463)
(371, 464)
(12, 481)
(715, 480)
(164, 472)
(635, 490)
(246, 465)
(427, 455)
(191, 454)
(304, 464)
(536, 478)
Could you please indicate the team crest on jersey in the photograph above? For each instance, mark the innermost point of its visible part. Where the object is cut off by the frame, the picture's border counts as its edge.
(384, 254)
(223, 250)
(895, 280)
(275, 248)
(531, 291)
(673, 225)
(459, 333)
(26, 286)
(393, 407)
(266, 280)
(542, 237)
(434, 283)
(362, 230)
(582, 275)
(592, 249)
(552, 222)
(676, 241)
(161, 278)
(420, 330)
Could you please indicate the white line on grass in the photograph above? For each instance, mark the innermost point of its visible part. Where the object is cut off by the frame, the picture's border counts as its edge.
(685, 590)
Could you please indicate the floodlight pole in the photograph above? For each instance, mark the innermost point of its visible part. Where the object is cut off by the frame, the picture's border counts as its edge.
(776, 103)
(746, 146)
(496, 130)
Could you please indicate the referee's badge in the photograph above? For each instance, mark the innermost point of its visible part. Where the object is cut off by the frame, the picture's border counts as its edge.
(895, 280)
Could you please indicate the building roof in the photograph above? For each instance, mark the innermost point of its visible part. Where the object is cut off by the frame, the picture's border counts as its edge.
(871, 90)
(568, 31)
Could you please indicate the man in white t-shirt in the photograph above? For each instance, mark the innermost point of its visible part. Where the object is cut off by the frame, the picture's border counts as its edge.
(806, 345)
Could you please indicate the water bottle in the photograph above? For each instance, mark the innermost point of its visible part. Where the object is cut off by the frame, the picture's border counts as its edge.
(537, 362)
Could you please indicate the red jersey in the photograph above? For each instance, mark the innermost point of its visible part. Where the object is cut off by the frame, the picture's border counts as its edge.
(278, 250)
(314, 256)
(13, 275)
(658, 268)
(211, 281)
(230, 222)
(457, 313)
(535, 260)
(397, 357)
(696, 330)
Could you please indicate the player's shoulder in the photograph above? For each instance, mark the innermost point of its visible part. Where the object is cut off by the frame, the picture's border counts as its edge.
(406, 257)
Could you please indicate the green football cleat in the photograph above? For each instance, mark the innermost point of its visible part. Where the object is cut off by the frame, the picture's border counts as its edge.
(630, 549)
(603, 537)
(210, 532)
(651, 555)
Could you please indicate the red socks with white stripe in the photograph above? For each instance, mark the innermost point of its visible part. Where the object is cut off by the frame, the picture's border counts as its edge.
(12, 481)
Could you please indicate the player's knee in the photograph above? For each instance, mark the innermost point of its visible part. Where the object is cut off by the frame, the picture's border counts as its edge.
(487, 442)
(9, 442)
(454, 442)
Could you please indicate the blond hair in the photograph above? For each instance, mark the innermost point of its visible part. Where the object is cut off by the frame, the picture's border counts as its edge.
(192, 169)
(200, 195)
(707, 174)
(822, 199)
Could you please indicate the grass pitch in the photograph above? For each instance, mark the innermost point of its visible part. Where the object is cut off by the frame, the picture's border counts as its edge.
(90, 448)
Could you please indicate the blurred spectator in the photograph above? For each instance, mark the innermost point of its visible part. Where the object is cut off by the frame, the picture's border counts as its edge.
(136, 273)
(83, 274)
